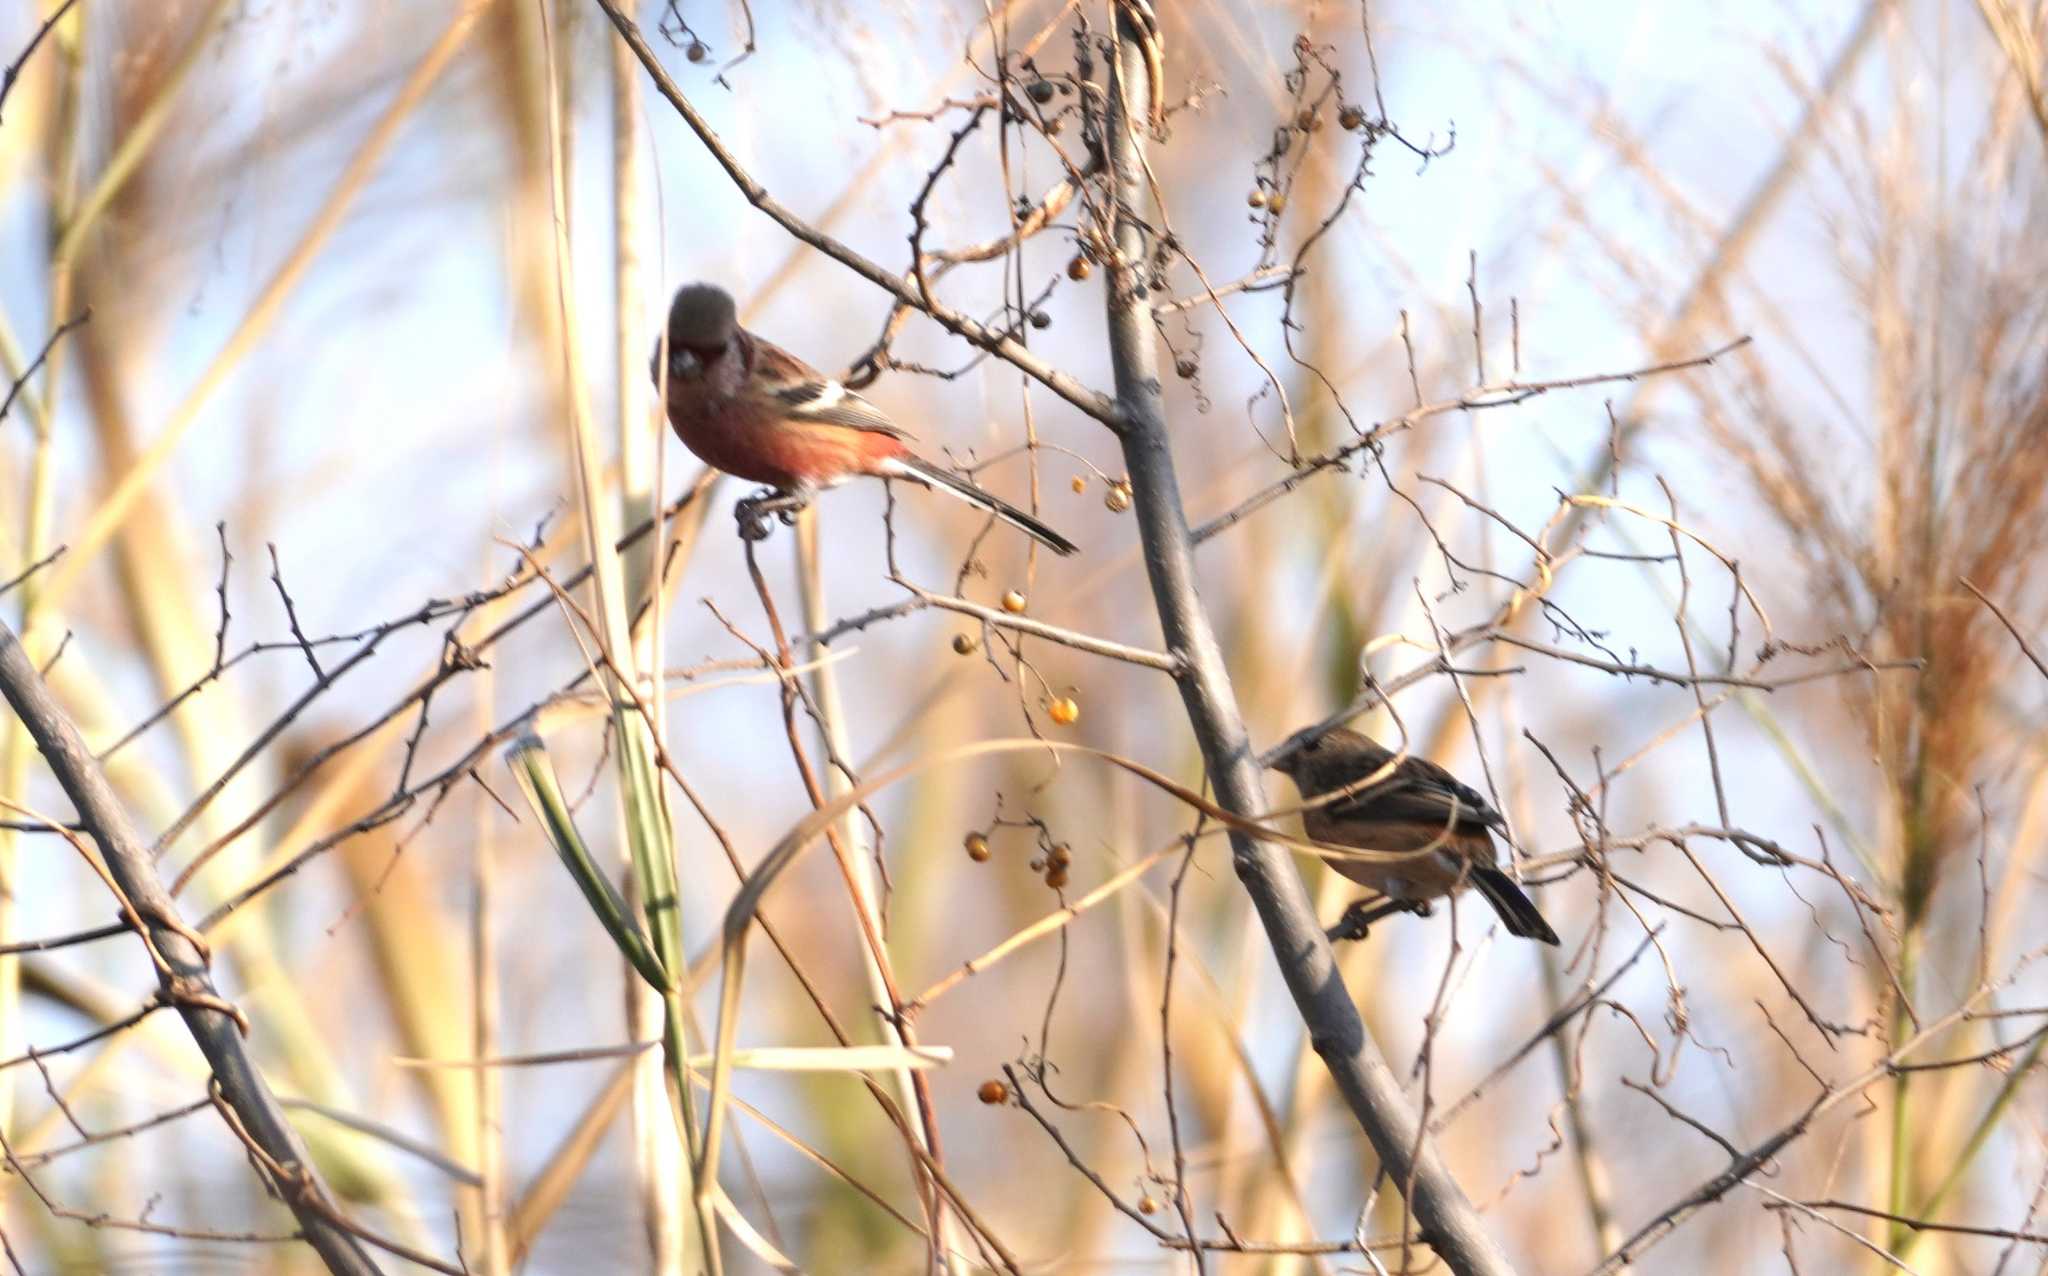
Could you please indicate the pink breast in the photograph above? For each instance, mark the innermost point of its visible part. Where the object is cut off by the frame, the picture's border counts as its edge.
(770, 449)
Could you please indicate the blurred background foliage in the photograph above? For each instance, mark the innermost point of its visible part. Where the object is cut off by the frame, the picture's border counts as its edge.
(316, 245)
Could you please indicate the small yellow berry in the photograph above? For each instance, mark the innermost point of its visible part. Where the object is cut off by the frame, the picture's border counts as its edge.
(1147, 1204)
(1064, 711)
(1078, 269)
(993, 1092)
(1351, 118)
(1080, 485)
(1056, 878)
(1277, 202)
(963, 645)
(1059, 856)
(1257, 199)
(1118, 498)
(1013, 602)
(977, 848)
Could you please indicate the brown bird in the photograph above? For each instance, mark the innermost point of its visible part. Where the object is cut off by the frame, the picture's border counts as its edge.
(747, 406)
(1418, 806)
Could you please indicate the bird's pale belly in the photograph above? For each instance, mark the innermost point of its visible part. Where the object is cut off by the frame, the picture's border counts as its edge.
(1429, 876)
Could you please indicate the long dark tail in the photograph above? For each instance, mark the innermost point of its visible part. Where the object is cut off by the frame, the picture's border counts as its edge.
(954, 485)
(1516, 911)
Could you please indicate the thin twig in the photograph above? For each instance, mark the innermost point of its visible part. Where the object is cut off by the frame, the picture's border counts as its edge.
(2010, 628)
(14, 67)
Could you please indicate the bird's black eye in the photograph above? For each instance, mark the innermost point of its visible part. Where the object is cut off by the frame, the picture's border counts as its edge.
(1312, 745)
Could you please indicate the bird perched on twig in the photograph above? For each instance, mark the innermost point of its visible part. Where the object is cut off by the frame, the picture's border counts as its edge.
(752, 409)
(1417, 807)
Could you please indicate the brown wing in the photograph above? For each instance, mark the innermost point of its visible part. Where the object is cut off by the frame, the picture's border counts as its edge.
(1421, 791)
(810, 397)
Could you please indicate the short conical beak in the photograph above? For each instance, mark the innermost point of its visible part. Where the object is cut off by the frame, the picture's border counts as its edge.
(1286, 755)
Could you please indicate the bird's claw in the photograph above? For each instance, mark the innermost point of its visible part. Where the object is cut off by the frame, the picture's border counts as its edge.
(1352, 925)
(753, 512)
(753, 523)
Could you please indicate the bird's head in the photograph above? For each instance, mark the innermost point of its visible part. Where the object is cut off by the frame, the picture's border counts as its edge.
(702, 321)
(1314, 751)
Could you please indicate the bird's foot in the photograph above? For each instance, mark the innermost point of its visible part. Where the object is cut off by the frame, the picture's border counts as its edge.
(753, 513)
(1353, 924)
(753, 524)
(1359, 918)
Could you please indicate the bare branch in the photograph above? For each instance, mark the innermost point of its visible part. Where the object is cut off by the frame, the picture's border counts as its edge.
(185, 981)
(1448, 1221)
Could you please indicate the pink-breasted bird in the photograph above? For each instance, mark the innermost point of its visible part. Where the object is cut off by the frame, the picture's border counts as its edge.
(752, 409)
(1417, 806)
